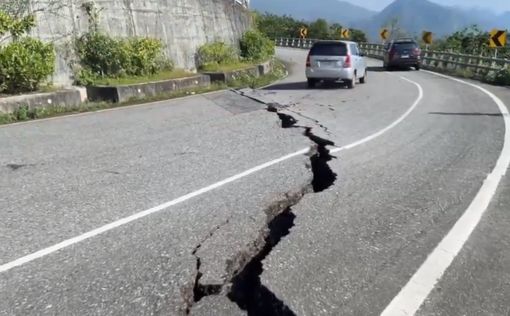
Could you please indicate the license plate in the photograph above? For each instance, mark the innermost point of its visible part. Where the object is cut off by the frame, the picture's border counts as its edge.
(326, 63)
(404, 56)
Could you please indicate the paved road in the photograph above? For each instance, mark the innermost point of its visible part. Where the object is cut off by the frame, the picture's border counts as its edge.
(206, 205)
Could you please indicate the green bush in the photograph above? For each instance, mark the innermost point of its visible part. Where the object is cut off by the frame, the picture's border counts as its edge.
(24, 64)
(145, 56)
(256, 46)
(103, 56)
(501, 77)
(217, 53)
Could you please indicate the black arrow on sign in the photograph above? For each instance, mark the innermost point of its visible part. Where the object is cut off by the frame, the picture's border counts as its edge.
(496, 37)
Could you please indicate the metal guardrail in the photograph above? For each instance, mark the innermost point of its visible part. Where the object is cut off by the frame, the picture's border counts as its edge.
(449, 61)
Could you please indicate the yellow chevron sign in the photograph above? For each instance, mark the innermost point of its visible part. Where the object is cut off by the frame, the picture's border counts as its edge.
(384, 34)
(427, 37)
(345, 33)
(303, 32)
(497, 38)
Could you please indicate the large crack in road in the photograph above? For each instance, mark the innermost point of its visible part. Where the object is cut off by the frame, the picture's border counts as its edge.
(243, 286)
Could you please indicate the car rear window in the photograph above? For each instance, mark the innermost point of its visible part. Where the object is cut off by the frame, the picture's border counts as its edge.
(409, 45)
(329, 49)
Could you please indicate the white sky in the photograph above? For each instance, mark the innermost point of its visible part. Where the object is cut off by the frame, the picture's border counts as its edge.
(494, 5)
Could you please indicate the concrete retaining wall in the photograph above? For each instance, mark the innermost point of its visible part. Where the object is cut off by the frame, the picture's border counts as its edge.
(129, 92)
(255, 71)
(65, 98)
(183, 25)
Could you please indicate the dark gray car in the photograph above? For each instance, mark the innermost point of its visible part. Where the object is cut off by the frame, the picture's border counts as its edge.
(402, 53)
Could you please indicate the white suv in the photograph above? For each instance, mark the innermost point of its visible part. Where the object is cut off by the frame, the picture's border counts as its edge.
(335, 61)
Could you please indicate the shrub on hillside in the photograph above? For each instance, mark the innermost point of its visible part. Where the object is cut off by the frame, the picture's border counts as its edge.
(103, 56)
(146, 56)
(214, 54)
(256, 46)
(24, 64)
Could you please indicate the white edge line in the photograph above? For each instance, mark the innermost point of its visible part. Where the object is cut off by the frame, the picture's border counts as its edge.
(69, 242)
(66, 243)
(392, 125)
(415, 292)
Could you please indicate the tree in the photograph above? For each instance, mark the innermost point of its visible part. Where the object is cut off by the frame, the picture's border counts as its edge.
(319, 29)
(274, 26)
(358, 36)
(334, 31)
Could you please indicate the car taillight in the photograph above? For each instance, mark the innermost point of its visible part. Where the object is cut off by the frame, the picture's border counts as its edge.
(308, 63)
(347, 62)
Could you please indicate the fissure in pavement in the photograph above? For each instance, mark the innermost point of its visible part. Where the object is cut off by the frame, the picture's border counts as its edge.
(245, 287)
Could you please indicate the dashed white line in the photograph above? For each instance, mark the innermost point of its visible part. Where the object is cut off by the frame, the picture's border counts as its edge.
(103, 229)
(415, 292)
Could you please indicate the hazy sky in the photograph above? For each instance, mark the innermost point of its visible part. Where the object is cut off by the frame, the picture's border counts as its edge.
(486, 4)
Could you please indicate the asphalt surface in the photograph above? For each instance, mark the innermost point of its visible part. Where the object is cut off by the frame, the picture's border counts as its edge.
(263, 243)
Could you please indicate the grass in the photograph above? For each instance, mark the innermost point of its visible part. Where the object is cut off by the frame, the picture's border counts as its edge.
(226, 67)
(24, 113)
(164, 75)
(247, 81)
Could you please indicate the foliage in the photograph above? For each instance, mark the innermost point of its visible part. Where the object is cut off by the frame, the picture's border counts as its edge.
(319, 29)
(102, 56)
(358, 36)
(24, 64)
(274, 26)
(471, 40)
(501, 77)
(278, 72)
(255, 46)
(216, 54)
(15, 26)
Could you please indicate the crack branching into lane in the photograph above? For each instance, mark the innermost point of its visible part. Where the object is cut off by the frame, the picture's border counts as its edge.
(200, 291)
(243, 285)
(247, 291)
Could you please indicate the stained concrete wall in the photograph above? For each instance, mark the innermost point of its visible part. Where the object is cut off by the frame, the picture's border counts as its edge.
(183, 25)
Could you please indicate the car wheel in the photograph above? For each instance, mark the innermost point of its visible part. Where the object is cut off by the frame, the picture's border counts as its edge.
(311, 83)
(364, 78)
(417, 67)
(351, 83)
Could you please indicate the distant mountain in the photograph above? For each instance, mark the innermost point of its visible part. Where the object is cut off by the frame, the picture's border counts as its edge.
(332, 10)
(415, 16)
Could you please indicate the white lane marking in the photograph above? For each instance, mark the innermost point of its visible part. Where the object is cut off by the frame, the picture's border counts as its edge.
(134, 217)
(69, 242)
(389, 127)
(415, 292)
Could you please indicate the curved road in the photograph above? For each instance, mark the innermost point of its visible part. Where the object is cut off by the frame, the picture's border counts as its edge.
(213, 205)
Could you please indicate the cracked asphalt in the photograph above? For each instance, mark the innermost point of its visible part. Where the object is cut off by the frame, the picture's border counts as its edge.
(311, 234)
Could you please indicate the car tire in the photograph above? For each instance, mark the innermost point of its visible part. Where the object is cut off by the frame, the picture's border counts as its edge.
(364, 78)
(311, 83)
(351, 83)
(417, 67)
